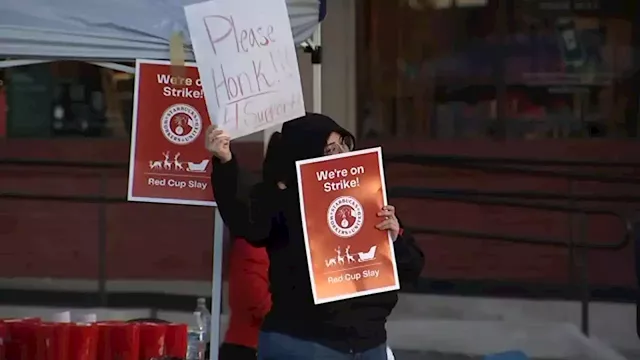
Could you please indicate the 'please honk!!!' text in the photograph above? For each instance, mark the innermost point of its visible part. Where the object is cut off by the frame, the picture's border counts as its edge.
(179, 184)
(353, 276)
(340, 179)
(261, 63)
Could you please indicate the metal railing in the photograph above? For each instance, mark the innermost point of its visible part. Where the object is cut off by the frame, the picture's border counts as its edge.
(576, 245)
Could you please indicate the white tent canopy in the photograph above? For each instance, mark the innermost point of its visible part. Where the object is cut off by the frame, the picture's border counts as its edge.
(106, 31)
(112, 30)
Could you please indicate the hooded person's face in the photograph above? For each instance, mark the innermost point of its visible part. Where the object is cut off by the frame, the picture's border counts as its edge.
(308, 137)
(337, 144)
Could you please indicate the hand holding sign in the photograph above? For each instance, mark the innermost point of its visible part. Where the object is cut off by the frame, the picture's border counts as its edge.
(247, 62)
(390, 222)
(217, 142)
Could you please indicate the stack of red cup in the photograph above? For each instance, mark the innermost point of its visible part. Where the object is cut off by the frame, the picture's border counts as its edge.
(83, 341)
(152, 340)
(52, 341)
(32, 339)
(176, 340)
(21, 338)
(118, 340)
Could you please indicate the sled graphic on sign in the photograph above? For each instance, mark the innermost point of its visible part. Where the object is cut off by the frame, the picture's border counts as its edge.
(198, 167)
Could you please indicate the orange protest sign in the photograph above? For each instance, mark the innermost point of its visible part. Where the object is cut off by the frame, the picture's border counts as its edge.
(168, 161)
(340, 196)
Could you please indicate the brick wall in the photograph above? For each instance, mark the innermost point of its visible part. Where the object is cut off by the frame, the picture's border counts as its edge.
(148, 241)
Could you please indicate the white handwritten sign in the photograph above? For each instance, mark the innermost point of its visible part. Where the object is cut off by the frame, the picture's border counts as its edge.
(247, 62)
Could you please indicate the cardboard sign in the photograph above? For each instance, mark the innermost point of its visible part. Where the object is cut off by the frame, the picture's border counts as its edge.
(168, 161)
(340, 197)
(247, 61)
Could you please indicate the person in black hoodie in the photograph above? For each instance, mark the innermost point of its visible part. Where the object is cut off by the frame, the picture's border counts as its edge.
(268, 214)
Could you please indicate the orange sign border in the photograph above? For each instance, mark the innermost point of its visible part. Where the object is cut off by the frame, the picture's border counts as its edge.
(299, 164)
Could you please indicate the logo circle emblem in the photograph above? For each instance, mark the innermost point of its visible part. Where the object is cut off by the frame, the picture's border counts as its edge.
(345, 216)
(181, 124)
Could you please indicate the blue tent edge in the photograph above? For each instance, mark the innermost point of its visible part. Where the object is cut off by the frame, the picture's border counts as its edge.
(323, 10)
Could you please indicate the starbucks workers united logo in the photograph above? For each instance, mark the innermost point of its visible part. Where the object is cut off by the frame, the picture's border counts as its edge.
(345, 216)
(181, 124)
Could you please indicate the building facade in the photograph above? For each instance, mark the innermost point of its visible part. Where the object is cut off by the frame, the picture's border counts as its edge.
(536, 80)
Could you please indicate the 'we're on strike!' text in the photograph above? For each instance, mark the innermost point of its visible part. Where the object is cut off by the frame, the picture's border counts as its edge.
(340, 179)
(179, 87)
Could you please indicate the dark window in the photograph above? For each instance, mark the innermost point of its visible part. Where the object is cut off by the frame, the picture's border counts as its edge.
(65, 98)
(521, 69)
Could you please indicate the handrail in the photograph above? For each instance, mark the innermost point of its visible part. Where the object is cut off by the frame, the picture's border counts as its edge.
(406, 192)
(500, 169)
(398, 192)
(91, 199)
(63, 163)
(468, 162)
(519, 239)
(422, 159)
(432, 159)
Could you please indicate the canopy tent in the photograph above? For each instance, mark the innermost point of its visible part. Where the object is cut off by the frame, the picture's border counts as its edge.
(104, 32)
(113, 30)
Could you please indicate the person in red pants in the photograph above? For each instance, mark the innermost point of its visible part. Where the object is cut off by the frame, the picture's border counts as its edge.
(249, 299)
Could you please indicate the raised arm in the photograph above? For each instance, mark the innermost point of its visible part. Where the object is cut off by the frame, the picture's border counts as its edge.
(243, 202)
(231, 188)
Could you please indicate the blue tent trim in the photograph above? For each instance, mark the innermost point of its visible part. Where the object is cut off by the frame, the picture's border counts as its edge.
(323, 10)
(113, 30)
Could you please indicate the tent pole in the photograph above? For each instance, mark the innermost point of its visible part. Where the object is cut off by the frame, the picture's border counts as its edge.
(114, 66)
(216, 293)
(315, 48)
(21, 62)
(316, 60)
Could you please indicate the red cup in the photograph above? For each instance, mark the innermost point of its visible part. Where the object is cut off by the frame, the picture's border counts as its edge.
(21, 344)
(118, 340)
(176, 340)
(152, 340)
(83, 341)
(4, 338)
(52, 341)
(27, 319)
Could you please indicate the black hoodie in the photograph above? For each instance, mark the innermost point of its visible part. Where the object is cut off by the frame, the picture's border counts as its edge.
(271, 217)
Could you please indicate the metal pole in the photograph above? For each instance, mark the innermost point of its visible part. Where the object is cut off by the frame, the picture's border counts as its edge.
(635, 233)
(316, 63)
(582, 254)
(572, 234)
(316, 60)
(499, 71)
(216, 292)
(102, 244)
